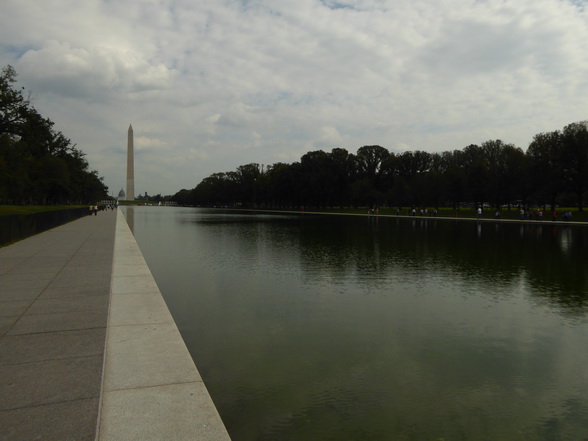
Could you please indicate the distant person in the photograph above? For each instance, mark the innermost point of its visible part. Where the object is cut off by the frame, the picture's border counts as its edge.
(90, 210)
(95, 210)
(479, 212)
(554, 215)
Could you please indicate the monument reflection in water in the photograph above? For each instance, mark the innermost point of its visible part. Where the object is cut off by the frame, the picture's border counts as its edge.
(356, 328)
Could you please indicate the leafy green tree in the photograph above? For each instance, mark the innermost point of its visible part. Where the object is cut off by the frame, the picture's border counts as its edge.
(515, 183)
(217, 189)
(39, 165)
(504, 173)
(494, 172)
(184, 197)
(476, 173)
(454, 177)
(246, 186)
(370, 160)
(371, 171)
(284, 180)
(546, 166)
(52, 178)
(13, 105)
(574, 158)
(343, 168)
(318, 180)
(434, 181)
(412, 170)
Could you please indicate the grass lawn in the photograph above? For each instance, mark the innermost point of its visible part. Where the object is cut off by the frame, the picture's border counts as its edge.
(577, 216)
(6, 210)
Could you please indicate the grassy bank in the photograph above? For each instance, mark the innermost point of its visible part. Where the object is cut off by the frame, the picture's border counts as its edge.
(6, 210)
(577, 216)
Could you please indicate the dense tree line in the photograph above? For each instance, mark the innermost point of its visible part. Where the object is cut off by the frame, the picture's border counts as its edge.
(553, 170)
(39, 165)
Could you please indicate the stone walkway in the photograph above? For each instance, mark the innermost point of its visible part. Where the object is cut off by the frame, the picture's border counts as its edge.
(88, 348)
(54, 297)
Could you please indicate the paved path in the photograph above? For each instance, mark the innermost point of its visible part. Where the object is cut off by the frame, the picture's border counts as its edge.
(54, 296)
(88, 348)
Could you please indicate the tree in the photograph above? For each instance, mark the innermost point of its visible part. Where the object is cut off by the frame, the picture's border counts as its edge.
(476, 173)
(494, 172)
(284, 180)
(545, 162)
(574, 158)
(38, 164)
(503, 171)
(433, 180)
(246, 188)
(12, 103)
(412, 168)
(343, 168)
(184, 197)
(318, 183)
(515, 175)
(370, 160)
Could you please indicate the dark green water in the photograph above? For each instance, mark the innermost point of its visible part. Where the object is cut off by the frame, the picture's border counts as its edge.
(356, 328)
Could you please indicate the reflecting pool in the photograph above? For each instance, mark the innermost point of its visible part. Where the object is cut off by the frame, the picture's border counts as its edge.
(340, 328)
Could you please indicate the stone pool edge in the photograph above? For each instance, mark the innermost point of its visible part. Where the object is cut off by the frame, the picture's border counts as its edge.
(151, 387)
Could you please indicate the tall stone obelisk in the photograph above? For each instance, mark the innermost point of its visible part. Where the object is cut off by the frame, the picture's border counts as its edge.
(130, 167)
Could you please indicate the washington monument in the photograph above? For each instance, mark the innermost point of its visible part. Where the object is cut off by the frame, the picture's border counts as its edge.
(130, 196)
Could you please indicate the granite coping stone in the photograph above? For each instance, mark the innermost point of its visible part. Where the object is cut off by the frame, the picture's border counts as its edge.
(172, 412)
(151, 387)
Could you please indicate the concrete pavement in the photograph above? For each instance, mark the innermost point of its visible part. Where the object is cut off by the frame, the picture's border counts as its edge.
(54, 296)
(88, 349)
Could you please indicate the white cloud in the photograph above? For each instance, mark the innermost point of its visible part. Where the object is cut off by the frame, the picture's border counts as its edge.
(212, 85)
(93, 72)
(330, 138)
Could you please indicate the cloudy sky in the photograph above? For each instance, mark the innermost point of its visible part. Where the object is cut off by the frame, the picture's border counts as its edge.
(209, 85)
